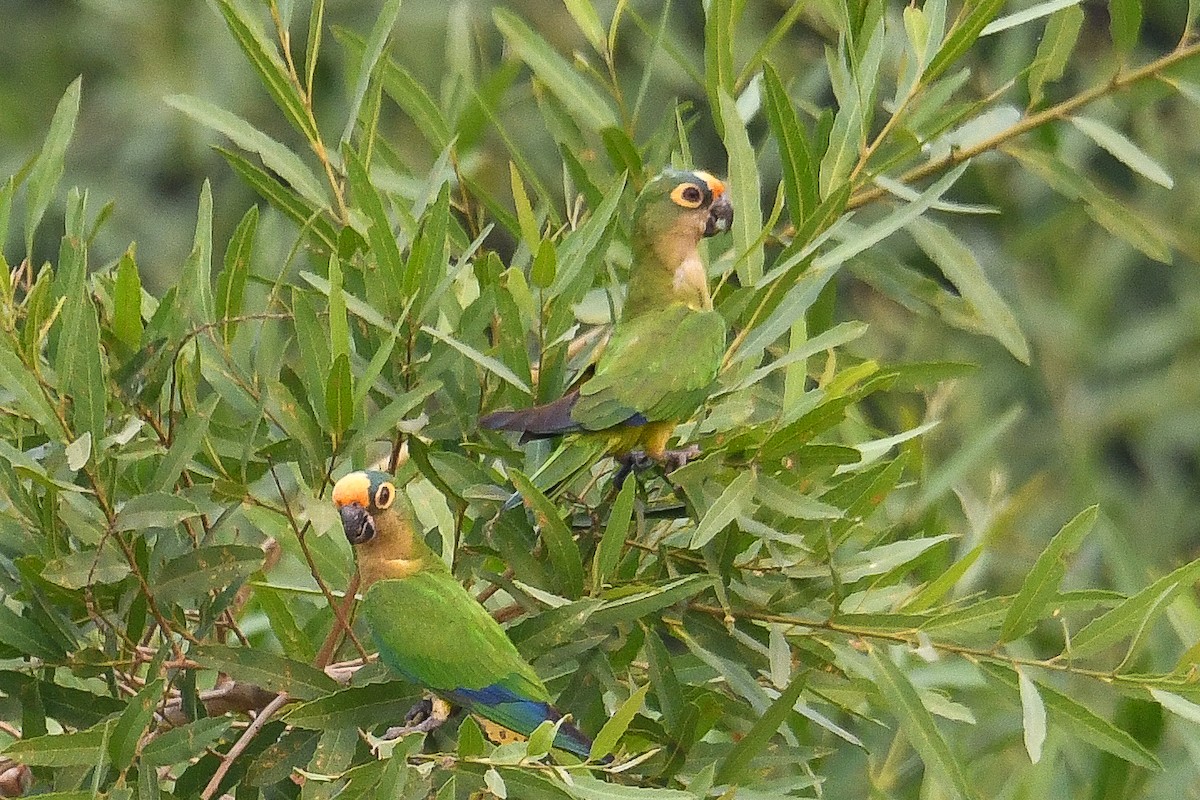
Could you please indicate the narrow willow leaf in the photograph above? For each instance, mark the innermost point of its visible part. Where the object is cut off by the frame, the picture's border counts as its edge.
(284, 199)
(154, 510)
(275, 155)
(1041, 585)
(1043, 9)
(48, 169)
(846, 140)
(1033, 716)
(1054, 50)
(127, 302)
(312, 43)
(961, 268)
(635, 606)
(185, 445)
(887, 557)
(585, 16)
(586, 104)
(1125, 22)
(1081, 722)
(606, 740)
(525, 218)
(940, 586)
(927, 740)
(1116, 218)
(180, 744)
(385, 21)
(584, 248)
(492, 365)
(196, 573)
(384, 246)
(26, 636)
(339, 396)
(81, 748)
(616, 531)
(719, 71)
(799, 179)
(1181, 707)
(733, 769)
(267, 63)
(272, 672)
(137, 716)
(1124, 150)
(972, 20)
(745, 191)
(733, 502)
(231, 284)
(1134, 613)
(564, 552)
(358, 706)
(87, 567)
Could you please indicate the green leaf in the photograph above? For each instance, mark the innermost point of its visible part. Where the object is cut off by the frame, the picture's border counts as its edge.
(745, 192)
(284, 199)
(927, 740)
(276, 156)
(385, 21)
(231, 284)
(734, 501)
(128, 730)
(82, 748)
(492, 365)
(1125, 21)
(127, 302)
(606, 740)
(87, 567)
(584, 787)
(1033, 716)
(195, 284)
(181, 744)
(1181, 707)
(188, 438)
(272, 672)
(1054, 50)
(1041, 585)
(78, 358)
(1081, 722)
(734, 768)
(26, 636)
(1115, 217)
(1043, 9)
(214, 568)
(266, 62)
(339, 396)
(545, 265)
(585, 16)
(525, 218)
(966, 29)
(584, 248)
(48, 169)
(719, 70)
(616, 531)
(154, 510)
(639, 604)
(564, 552)
(587, 105)
(1134, 614)
(358, 706)
(799, 181)
(961, 268)
(1124, 150)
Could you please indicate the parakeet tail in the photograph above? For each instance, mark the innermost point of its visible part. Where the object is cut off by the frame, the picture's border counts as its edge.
(537, 422)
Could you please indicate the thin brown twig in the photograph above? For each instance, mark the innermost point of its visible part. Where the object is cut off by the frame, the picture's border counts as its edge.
(242, 743)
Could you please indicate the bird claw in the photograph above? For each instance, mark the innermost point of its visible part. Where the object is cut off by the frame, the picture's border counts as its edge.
(427, 714)
(639, 461)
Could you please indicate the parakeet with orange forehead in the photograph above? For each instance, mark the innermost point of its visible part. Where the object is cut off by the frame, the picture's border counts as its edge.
(662, 359)
(427, 628)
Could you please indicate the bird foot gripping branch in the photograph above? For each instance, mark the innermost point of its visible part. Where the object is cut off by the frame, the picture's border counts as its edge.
(425, 716)
(639, 461)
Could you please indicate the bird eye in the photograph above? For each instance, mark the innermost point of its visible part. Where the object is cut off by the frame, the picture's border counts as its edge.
(384, 496)
(687, 195)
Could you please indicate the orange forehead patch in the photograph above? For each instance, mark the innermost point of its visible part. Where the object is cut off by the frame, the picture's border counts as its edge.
(352, 488)
(714, 185)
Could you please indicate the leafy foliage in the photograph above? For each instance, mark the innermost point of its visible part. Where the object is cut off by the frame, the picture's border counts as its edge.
(787, 609)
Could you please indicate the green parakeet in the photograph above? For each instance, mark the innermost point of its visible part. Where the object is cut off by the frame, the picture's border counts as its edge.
(660, 363)
(427, 628)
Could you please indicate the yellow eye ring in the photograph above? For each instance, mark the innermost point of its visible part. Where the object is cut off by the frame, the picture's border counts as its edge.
(687, 195)
(384, 496)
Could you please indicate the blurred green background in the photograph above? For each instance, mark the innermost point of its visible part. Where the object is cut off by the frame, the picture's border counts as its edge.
(1108, 410)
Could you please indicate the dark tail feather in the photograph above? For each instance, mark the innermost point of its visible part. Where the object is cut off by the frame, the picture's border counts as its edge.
(537, 422)
(574, 741)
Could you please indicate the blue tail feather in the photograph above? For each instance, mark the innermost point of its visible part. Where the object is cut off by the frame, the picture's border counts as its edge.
(504, 707)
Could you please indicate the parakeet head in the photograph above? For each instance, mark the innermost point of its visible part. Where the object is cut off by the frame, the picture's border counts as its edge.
(683, 205)
(361, 498)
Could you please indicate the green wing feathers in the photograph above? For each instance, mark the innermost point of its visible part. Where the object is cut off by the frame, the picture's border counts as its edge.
(429, 629)
(659, 365)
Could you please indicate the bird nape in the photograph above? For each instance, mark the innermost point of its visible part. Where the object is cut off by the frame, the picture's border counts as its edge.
(428, 629)
(662, 359)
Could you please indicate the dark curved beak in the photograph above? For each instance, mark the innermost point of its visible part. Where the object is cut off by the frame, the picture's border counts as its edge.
(357, 523)
(720, 216)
